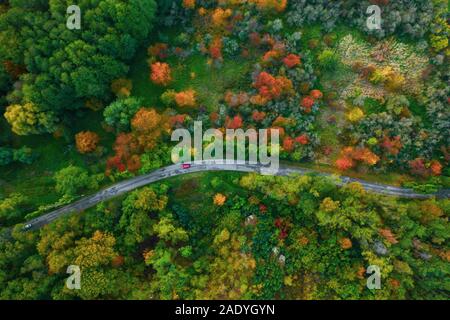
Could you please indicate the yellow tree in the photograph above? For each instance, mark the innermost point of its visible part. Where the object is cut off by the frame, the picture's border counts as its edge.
(219, 199)
(86, 141)
(95, 251)
(149, 125)
(230, 271)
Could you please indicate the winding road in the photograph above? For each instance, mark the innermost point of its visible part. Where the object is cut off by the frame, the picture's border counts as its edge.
(212, 165)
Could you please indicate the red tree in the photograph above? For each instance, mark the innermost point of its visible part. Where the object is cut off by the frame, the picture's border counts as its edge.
(307, 104)
(316, 94)
(417, 167)
(161, 73)
(303, 139)
(288, 144)
(435, 167)
(392, 145)
(344, 163)
(271, 87)
(292, 60)
(234, 123)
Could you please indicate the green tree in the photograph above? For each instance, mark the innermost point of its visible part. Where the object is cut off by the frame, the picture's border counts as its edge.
(119, 113)
(72, 180)
(61, 75)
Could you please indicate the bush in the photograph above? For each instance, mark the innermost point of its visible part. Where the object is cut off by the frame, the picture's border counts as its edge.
(72, 180)
(328, 60)
(22, 155)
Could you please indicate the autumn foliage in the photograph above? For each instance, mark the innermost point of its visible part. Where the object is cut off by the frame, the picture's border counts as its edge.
(148, 126)
(122, 87)
(125, 145)
(351, 156)
(307, 104)
(271, 56)
(86, 141)
(388, 235)
(14, 70)
(283, 226)
(219, 17)
(391, 145)
(420, 167)
(158, 50)
(236, 99)
(160, 73)
(270, 5)
(363, 155)
(219, 199)
(186, 98)
(288, 144)
(258, 116)
(215, 49)
(345, 243)
(189, 4)
(302, 139)
(316, 94)
(235, 122)
(435, 167)
(177, 120)
(292, 60)
(344, 163)
(271, 87)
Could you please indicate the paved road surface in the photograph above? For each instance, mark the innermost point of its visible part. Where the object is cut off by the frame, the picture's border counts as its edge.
(210, 165)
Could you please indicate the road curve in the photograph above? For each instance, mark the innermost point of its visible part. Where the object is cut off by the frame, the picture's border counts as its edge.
(213, 165)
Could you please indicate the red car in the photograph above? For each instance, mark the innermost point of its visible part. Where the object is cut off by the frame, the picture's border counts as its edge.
(186, 165)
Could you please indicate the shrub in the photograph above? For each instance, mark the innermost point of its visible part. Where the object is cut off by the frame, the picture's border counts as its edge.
(219, 199)
(292, 60)
(168, 97)
(86, 141)
(186, 98)
(328, 59)
(160, 73)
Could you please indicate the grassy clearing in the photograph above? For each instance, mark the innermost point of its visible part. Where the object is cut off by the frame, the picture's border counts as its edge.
(195, 192)
(209, 82)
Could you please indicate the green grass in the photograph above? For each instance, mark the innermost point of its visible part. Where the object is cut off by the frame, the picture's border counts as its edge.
(195, 191)
(209, 82)
(36, 180)
(142, 86)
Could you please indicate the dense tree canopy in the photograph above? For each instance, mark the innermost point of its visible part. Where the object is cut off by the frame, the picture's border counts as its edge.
(66, 67)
